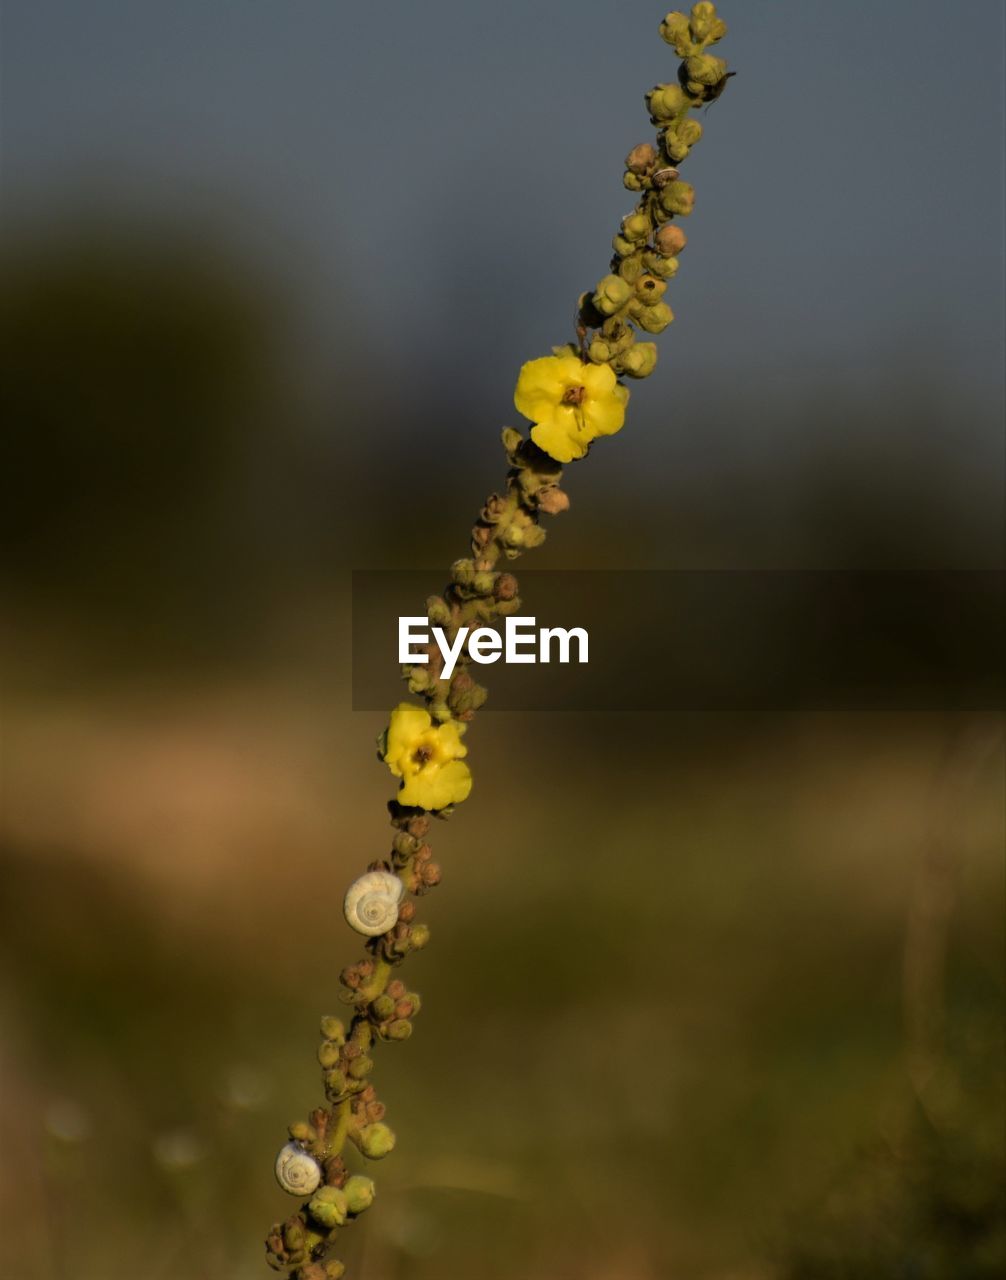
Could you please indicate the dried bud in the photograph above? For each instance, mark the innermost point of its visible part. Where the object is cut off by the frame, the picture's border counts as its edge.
(669, 241)
(553, 501)
(506, 587)
(641, 159)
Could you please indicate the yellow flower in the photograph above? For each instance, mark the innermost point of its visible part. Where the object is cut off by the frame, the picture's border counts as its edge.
(427, 758)
(570, 403)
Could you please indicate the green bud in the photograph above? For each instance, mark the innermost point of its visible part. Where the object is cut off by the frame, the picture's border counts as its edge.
(649, 289)
(678, 197)
(667, 101)
(639, 361)
(334, 1269)
(360, 1192)
(383, 1008)
(636, 226)
(329, 1053)
(675, 31)
(631, 181)
(705, 70)
(333, 1028)
(420, 934)
(706, 27)
(376, 1141)
(657, 265)
(599, 351)
(400, 1029)
(611, 295)
(483, 583)
(629, 268)
(623, 247)
(655, 319)
(329, 1207)
(301, 1132)
(294, 1234)
(512, 440)
(438, 611)
(361, 1067)
(414, 999)
(336, 1083)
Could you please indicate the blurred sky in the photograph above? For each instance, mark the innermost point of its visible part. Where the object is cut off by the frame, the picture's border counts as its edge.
(438, 182)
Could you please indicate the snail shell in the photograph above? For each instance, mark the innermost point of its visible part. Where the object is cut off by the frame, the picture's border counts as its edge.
(371, 904)
(296, 1171)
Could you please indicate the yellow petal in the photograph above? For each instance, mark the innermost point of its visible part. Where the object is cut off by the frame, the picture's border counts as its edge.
(599, 379)
(436, 787)
(606, 415)
(407, 723)
(539, 387)
(558, 440)
(449, 740)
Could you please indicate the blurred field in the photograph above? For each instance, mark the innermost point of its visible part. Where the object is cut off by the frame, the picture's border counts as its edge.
(664, 1020)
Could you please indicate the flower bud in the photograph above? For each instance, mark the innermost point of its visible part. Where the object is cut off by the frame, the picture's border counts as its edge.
(360, 1068)
(631, 181)
(611, 295)
(334, 1269)
(383, 1008)
(649, 289)
(706, 27)
(675, 31)
(376, 1141)
(400, 1029)
(336, 1083)
(640, 360)
(641, 159)
(629, 268)
(359, 1192)
(329, 1207)
(669, 241)
(667, 101)
(329, 1053)
(419, 936)
(657, 265)
(636, 226)
(553, 501)
(623, 247)
(679, 198)
(506, 587)
(599, 351)
(655, 319)
(705, 70)
(438, 611)
(333, 1029)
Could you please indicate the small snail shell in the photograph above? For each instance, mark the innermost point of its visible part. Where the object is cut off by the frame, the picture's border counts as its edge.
(296, 1171)
(371, 904)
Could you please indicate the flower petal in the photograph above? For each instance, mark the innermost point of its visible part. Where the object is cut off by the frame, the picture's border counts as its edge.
(606, 415)
(436, 787)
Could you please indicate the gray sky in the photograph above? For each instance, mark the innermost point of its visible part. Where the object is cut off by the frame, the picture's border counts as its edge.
(456, 165)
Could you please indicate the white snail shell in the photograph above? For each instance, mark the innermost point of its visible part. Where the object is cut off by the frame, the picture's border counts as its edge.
(296, 1171)
(371, 904)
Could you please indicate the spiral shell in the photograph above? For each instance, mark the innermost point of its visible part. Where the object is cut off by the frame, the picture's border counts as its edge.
(371, 905)
(297, 1172)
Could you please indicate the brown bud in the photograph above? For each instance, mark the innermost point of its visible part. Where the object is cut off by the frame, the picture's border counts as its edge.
(396, 989)
(506, 587)
(430, 874)
(553, 501)
(670, 240)
(418, 827)
(407, 912)
(642, 158)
